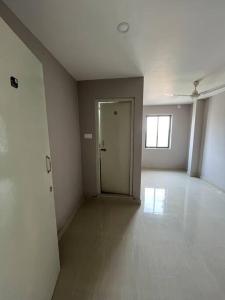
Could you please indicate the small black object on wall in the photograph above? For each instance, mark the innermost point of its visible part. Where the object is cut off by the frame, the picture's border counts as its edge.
(14, 82)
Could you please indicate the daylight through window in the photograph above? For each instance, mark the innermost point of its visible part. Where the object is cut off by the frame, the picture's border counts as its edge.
(158, 131)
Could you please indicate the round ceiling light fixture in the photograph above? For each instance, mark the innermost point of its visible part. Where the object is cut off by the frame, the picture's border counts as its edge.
(123, 27)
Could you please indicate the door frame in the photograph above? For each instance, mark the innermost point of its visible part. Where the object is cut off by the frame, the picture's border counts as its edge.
(97, 124)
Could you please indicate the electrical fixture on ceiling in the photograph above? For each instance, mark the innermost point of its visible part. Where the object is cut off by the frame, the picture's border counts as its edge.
(199, 95)
(123, 27)
(194, 94)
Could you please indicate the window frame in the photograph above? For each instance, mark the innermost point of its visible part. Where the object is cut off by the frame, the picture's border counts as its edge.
(169, 134)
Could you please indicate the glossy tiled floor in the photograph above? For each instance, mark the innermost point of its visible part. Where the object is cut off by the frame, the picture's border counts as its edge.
(172, 247)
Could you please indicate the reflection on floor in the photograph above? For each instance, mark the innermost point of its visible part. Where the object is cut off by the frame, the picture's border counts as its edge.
(172, 247)
(154, 200)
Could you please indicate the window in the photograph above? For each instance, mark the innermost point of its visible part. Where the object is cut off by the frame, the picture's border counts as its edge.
(158, 131)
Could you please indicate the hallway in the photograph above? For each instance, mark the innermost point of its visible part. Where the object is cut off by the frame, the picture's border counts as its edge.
(171, 247)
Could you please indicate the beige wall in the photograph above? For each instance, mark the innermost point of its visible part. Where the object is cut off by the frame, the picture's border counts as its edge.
(213, 160)
(177, 156)
(88, 92)
(63, 122)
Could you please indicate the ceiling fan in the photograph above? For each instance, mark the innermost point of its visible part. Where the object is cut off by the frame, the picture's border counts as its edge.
(196, 94)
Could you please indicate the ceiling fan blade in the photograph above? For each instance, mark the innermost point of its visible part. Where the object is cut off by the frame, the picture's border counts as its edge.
(220, 87)
(180, 95)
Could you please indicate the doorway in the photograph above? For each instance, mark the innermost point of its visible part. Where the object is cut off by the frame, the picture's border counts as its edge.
(115, 146)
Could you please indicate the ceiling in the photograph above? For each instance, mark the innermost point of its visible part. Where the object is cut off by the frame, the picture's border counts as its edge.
(170, 43)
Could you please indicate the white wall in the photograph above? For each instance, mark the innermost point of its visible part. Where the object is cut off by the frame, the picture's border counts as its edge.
(213, 160)
(177, 156)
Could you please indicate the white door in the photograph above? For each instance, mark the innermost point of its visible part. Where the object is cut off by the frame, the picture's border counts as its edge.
(115, 146)
(29, 261)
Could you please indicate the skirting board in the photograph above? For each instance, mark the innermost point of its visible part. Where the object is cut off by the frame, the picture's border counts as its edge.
(70, 219)
(212, 184)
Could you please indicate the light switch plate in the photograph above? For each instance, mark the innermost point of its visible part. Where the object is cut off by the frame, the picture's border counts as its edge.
(88, 136)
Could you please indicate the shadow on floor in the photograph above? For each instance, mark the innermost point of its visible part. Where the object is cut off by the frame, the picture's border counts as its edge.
(96, 251)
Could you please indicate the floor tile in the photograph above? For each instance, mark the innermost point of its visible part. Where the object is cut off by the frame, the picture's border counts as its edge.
(170, 247)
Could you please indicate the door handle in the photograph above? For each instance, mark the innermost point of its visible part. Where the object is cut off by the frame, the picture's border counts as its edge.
(48, 164)
(103, 149)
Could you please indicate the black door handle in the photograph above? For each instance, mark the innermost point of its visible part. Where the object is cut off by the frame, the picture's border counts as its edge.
(103, 149)
(48, 164)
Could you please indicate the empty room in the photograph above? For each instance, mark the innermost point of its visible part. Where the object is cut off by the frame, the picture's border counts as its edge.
(112, 150)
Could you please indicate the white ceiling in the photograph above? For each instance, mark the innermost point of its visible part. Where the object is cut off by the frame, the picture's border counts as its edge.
(171, 42)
